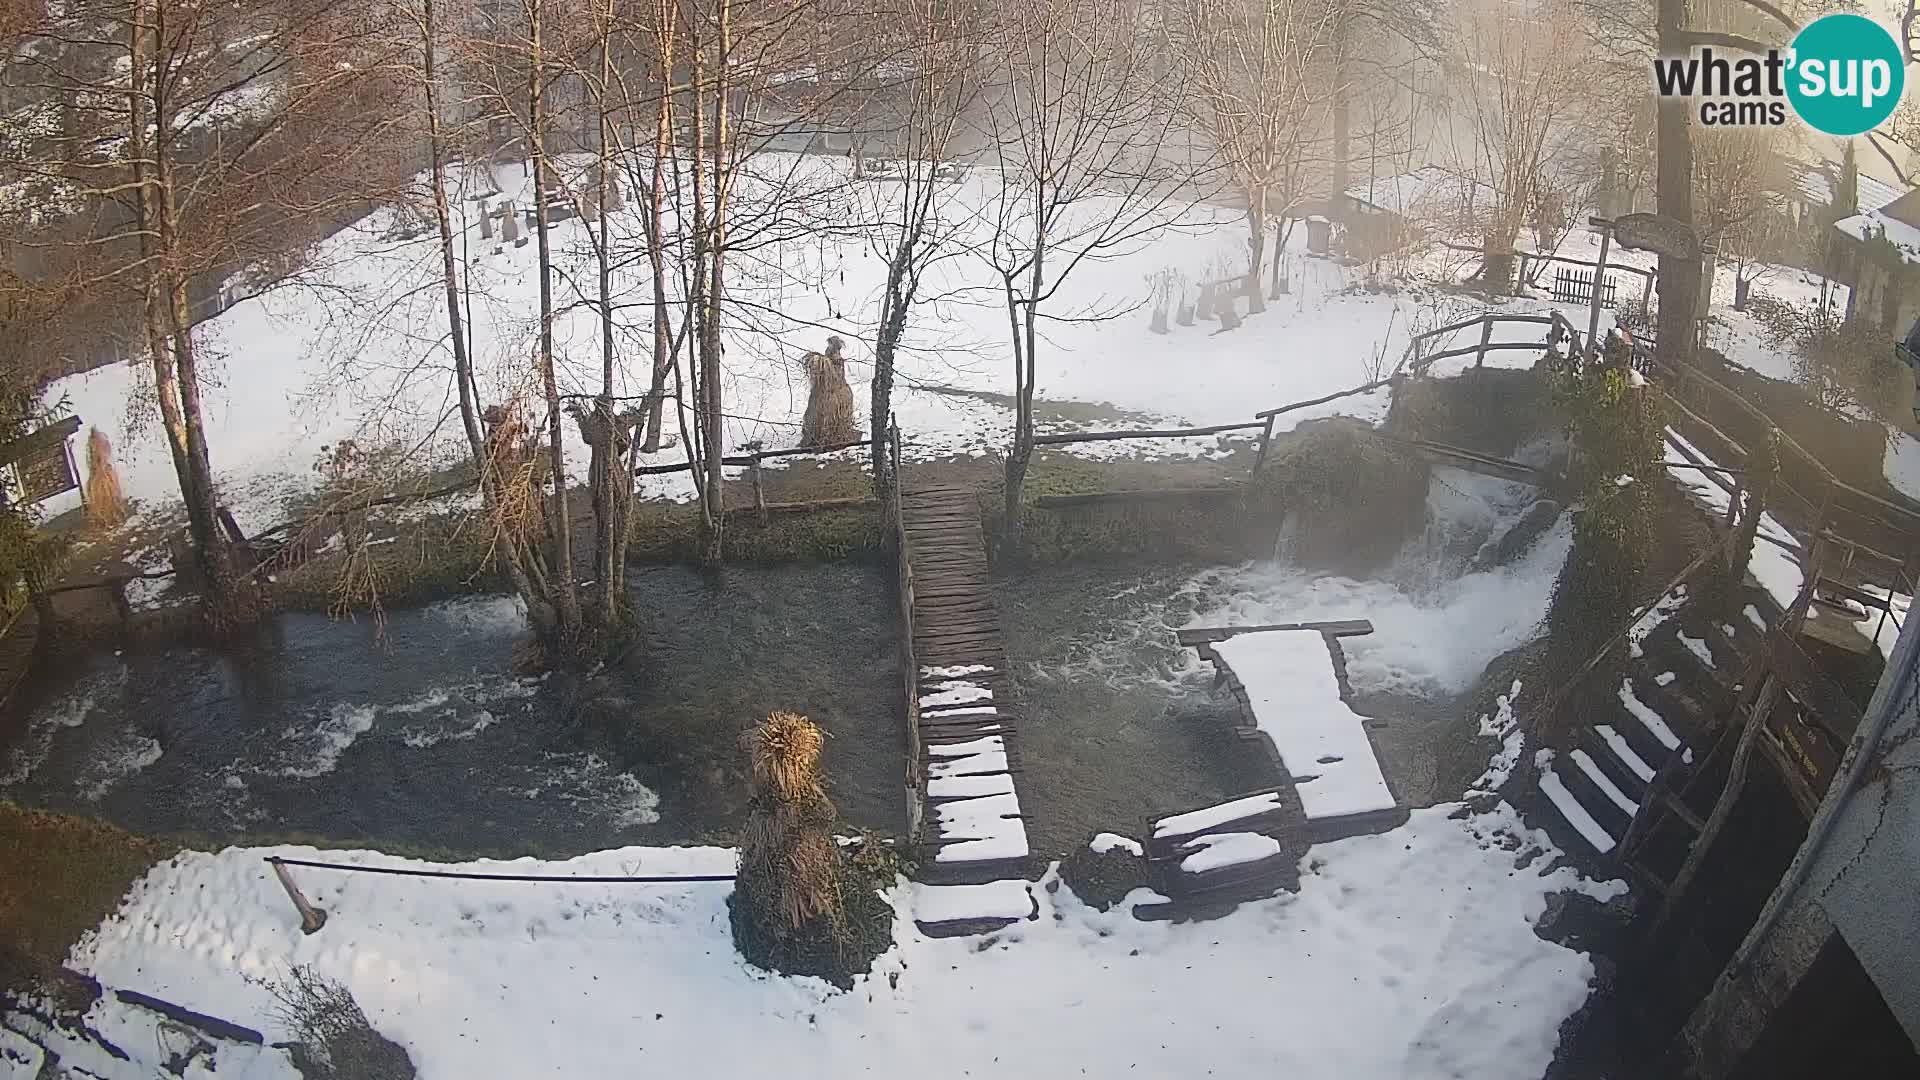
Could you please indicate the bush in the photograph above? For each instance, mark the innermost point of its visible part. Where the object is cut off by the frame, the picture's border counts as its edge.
(1102, 879)
(1346, 498)
(332, 1038)
(1616, 429)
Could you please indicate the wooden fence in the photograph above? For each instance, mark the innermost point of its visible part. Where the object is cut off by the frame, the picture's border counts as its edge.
(1576, 287)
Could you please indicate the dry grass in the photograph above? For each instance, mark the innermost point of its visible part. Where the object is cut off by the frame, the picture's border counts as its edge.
(59, 877)
(333, 1040)
(106, 503)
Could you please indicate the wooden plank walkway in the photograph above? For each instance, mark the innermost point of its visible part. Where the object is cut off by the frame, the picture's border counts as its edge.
(967, 763)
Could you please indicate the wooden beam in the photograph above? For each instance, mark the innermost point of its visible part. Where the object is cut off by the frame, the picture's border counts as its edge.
(1211, 634)
(1722, 807)
(1169, 433)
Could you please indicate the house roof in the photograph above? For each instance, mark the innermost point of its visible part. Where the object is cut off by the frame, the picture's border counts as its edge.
(1429, 187)
(1896, 221)
(1815, 184)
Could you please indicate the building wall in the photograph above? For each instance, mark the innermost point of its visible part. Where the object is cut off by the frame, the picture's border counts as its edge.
(1867, 877)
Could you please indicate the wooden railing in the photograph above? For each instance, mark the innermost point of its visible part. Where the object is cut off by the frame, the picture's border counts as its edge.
(910, 664)
(1418, 357)
(1838, 564)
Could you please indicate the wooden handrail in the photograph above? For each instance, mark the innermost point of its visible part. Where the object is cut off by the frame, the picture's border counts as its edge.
(1110, 436)
(1363, 388)
(1739, 401)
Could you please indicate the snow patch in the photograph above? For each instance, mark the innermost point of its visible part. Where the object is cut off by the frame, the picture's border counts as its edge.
(1648, 718)
(1405, 954)
(1106, 841)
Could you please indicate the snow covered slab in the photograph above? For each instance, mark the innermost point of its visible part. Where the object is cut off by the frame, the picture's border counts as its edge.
(1624, 751)
(955, 672)
(956, 903)
(1575, 814)
(1649, 719)
(953, 692)
(968, 786)
(1215, 851)
(1290, 685)
(1207, 817)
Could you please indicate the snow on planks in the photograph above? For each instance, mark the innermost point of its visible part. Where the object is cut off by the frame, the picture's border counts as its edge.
(974, 823)
(1294, 694)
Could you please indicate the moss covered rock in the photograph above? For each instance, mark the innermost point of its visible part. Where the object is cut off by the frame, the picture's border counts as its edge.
(1101, 879)
(1339, 497)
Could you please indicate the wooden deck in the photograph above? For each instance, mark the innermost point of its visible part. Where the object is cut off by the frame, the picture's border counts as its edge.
(965, 762)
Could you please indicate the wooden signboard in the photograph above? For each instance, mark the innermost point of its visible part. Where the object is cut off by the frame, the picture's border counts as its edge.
(1656, 233)
(46, 472)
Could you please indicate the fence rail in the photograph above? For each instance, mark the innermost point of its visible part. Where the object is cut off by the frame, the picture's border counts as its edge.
(909, 663)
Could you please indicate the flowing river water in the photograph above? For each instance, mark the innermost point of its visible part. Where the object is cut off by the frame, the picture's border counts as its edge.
(421, 736)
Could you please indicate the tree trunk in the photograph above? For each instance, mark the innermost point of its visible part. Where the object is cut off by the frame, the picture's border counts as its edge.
(561, 582)
(1281, 285)
(701, 441)
(176, 377)
(1024, 319)
(716, 289)
(656, 241)
(893, 325)
(1256, 246)
(1677, 278)
(1342, 116)
(616, 484)
(449, 275)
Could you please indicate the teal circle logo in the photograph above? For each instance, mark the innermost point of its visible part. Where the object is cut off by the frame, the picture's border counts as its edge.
(1846, 74)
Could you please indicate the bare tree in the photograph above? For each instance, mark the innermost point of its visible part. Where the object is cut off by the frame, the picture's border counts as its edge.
(934, 81)
(1079, 120)
(1739, 175)
(1257, 92)
(212, 143)
(1518, 93)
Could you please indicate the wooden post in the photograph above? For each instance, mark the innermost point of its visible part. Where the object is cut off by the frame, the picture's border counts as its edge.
(759, 490)
(1599, 277)
(117, 591)
(1722, 807)
(1260, 457)
(1733, 503)
(311, 918)
(1486, 338)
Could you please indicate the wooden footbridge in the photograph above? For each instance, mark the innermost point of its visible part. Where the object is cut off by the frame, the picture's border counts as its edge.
(964, 808)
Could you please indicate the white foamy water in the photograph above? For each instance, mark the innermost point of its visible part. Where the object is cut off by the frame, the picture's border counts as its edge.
(1436, 624)
(316, 750)
(117, 761)
(589, 783)
(438, 715)
(70, 711)
(489, 615)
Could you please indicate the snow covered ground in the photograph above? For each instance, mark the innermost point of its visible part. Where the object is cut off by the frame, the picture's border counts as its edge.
(356, 349)
(1405, 955)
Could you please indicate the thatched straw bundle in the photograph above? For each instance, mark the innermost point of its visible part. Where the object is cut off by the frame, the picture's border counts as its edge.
(831, 418)
(106, 503)
(783, 755)
(789, 865)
